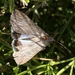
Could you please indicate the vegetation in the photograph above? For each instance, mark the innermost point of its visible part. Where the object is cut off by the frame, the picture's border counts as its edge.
(57, 18)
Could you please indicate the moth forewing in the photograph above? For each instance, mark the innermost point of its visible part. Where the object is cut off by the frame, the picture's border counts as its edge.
(28, 38)
(23, 24)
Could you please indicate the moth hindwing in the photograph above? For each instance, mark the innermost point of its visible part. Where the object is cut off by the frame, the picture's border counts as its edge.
(28, 38)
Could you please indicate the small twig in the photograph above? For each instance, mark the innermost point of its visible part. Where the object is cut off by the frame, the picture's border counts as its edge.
(31, 9)
(5, 33)
(45, 59)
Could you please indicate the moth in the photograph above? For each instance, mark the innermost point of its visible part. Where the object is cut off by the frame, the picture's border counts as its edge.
(28, 38)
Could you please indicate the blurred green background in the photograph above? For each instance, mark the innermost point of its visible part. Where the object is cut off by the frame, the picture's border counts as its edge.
(57, 18)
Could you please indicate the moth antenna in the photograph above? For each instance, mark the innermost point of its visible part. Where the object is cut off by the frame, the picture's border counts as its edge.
(63, 46)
